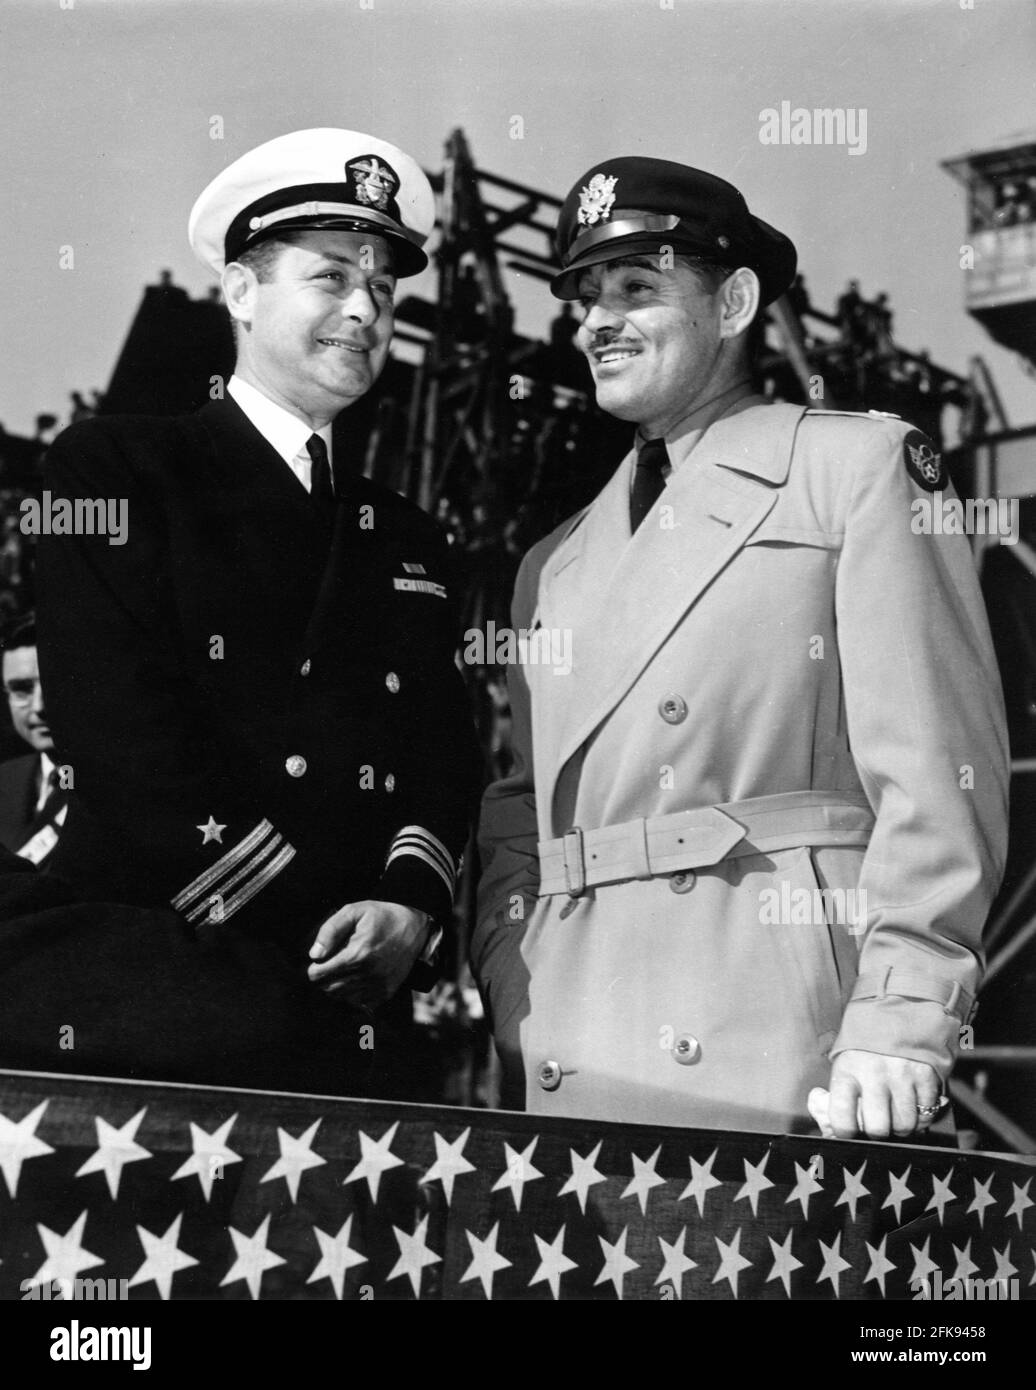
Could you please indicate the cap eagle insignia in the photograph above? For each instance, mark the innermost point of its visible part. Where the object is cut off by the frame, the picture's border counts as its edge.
(375, 183)
(596, 199)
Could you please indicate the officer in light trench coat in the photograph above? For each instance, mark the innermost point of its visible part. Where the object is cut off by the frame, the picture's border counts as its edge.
(781, 687)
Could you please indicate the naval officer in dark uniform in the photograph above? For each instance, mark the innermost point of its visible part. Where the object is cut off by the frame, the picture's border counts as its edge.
(257, 693)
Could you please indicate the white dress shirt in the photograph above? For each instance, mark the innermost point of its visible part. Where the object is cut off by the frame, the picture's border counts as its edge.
(284, 432)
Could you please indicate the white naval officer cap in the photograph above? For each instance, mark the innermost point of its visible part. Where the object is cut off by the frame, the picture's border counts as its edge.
(316, 178)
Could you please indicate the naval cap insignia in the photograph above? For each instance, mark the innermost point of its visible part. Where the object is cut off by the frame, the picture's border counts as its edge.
(374, 181)
(923, 464)
(596, 199)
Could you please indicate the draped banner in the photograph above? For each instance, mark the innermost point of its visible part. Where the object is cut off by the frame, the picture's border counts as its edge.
(116, 1190)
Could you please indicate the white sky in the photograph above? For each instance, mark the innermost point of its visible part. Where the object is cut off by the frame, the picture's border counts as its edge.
(105, 109)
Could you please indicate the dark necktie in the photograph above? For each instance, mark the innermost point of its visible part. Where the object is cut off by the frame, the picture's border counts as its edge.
(648, 481)
(321, 485)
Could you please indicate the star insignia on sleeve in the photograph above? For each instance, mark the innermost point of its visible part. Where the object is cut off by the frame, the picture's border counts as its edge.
(18, 1142)
(115, 1148)
(553, 1261)
(162, 1260)
(336, 1257)
(211, 831)
(485, 1260)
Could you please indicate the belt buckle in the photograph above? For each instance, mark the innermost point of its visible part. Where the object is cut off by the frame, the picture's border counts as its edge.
(572, 847)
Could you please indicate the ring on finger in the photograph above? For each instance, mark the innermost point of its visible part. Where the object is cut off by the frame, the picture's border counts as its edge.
(927, 1112)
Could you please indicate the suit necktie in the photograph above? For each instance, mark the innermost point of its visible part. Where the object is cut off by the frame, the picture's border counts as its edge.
(648, 481)
(321, 485)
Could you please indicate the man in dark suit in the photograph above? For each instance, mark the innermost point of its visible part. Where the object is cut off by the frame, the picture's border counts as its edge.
(267, 639)
(32, 799)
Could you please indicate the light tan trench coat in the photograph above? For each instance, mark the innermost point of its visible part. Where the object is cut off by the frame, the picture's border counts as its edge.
(782, 628)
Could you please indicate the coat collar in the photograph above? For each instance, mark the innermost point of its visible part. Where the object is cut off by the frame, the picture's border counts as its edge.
(623, 596)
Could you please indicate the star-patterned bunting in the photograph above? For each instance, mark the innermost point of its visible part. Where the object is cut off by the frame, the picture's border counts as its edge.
(376, 1159)
(584, 1175)
(755, 1182)
(336, 1257)
(18, 1142)
(853, 1190)
(702, 1182)
(163, 1259)
(296, 1156)
(449, 1164)
(617, 1264)
(784, 1262)
(942, 1194)
(731, 1261)
(553, 1262)
(644, 1179)
(252, 1258)
(518, 1171)
(66, 1258)
(115, 1148)
(414, 1255)
(675, 1262)
(485, 1260)
(210, 1155)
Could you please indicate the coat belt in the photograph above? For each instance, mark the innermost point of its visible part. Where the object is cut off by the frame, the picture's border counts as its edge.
(699, 839)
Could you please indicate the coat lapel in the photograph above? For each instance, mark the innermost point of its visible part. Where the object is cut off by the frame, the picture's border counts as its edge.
(623, 596)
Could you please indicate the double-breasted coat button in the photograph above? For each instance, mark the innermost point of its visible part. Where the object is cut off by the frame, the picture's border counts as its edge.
(686, 1049)
(392, 682)
(390, 782)
(549, 1076)
(295, 766)
(306, 667)
(682, 882)
(673, 709)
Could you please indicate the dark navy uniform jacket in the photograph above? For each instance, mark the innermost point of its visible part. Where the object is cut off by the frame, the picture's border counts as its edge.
(263, 722)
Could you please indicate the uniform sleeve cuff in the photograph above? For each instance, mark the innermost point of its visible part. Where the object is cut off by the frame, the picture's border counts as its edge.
(420, 872)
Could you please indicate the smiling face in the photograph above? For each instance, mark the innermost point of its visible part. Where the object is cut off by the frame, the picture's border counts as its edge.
(660, 341)
(315, 335)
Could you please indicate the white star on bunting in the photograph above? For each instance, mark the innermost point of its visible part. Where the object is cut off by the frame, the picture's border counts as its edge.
(553, 1261)
(899, 1192)
(211, 831)
(834, 1265)
(676, 1262)
(519, 1171)
(18, 1142)
(879, 1266)
(853, 1190)
(376, 1159)
(617, 1264)
(66, 1258)
(784, 1262)
(1020, 1202)
(983, 1198)
(1004, 1268)
(115, 1148)
(805, 1187)
(414, 1255)
(584, 1175)
(252, 1259)
(941, 1194)
(296, 1157)
(755, 1182)
(923, 1264)
(966, 1266)
(485, 1260)
(644, 1179)
(449, 1163)
(731, 1261)
(336, 1257)
(162, 1258)
(701, 1181)
(211, 1155)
